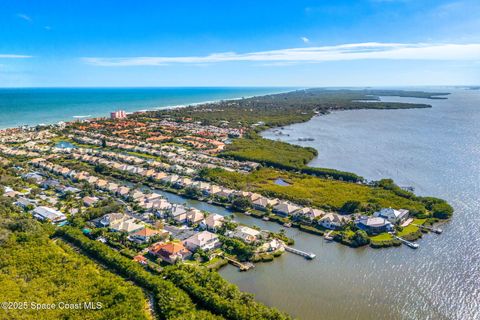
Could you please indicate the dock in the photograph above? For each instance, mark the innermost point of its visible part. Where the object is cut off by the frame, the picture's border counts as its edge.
(306, 255)
(328, 236)
(242, 266)
(406, 242)
(435, 230)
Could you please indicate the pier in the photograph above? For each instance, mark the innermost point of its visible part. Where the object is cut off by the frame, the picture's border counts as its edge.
(435, 230)
(408, 243)
(306, 255)
(242, 266)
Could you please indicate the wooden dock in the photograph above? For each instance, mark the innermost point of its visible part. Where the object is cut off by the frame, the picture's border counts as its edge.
(242, 266)
(435, 230)
(306, 255)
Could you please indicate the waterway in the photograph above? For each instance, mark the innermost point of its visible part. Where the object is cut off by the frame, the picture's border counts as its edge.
(435, 150)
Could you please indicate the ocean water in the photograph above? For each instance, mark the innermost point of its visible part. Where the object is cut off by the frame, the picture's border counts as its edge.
(32, 106)
(435, 150)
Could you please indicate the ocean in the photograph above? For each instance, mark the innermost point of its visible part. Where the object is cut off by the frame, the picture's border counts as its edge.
(32, 106)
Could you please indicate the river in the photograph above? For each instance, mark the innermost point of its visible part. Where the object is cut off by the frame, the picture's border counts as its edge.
(435, 150)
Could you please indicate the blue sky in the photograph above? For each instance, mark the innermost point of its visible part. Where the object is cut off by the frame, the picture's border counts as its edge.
(239, 43)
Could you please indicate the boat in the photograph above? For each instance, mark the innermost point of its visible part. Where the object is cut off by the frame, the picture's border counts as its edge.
(287, 224)
(306, 139)
(266, 218)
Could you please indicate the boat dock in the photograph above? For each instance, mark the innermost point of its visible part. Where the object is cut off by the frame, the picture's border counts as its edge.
(242, 266)
(408, 243)
(435, 230)
(306, 255)
(328, 236)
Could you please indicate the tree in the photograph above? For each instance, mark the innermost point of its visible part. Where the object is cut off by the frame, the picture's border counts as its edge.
(241, 203)
(360, 238)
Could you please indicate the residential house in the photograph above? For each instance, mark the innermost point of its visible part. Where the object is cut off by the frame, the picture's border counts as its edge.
(285, 208)
(309, 213)
(213, 222)
(127, 225)
(170, 252)
(245, 233)
(145, 234)
(204, 240)
(89, 201)
(392, 215)
(48, 214)
(374, 225)
(332, 221)
(262, 203)
(179, 213)
(194, 216)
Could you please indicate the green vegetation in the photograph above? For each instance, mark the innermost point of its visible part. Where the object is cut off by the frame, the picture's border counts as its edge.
(286, 108)
(315, 191)
(269, 152)
(33, 268)
(281, 155)
(214, 293)
(171, 302)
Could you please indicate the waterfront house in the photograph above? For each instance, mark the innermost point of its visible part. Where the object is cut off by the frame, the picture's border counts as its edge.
(332, 221)
(244, 233)
(48, 214)
(309, 213)
(262, 203)
(204, 240)
(170, 252)
(374, 225)
(285, 208)
(392, 215)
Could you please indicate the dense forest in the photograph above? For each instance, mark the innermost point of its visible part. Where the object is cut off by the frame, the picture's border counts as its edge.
(290, 107)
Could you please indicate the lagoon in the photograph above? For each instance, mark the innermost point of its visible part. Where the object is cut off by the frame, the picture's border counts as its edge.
(434, 150)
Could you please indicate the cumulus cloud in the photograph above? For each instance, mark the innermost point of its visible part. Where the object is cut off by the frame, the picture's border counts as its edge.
(305, 39)
(343, 52)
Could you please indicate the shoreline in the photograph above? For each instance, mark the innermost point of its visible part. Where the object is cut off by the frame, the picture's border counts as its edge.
(150, 109)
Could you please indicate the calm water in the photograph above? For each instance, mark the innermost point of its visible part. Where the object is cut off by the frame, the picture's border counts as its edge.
(50, 105)
(435, 150)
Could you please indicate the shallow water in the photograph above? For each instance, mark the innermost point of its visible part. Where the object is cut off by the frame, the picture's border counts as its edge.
(435, 150)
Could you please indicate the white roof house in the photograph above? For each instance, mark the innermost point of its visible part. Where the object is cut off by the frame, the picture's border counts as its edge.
(46, 213)
(245, 233)
(392, 215)
(204, 240)
(285, 208)
(332, 221)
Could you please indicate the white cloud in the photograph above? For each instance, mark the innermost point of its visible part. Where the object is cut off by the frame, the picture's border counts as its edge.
(24, 17)
(305, 39)
(13, 56)
(344, 52)
(48, 28)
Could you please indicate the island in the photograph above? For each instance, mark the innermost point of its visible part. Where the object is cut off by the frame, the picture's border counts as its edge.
(106, 198)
